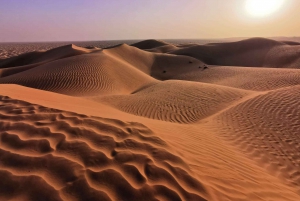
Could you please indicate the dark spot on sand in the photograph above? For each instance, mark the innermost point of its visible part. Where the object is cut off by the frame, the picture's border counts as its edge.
(113, 153)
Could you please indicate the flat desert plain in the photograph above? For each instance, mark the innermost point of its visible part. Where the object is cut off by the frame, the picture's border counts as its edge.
(152, 121)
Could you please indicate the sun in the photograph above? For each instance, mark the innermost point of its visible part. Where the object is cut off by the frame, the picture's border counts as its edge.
(262, 8)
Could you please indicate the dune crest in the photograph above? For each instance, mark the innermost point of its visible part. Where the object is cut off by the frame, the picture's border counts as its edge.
(84, 75)
(44, 56)
(149, 44)
(254, 52)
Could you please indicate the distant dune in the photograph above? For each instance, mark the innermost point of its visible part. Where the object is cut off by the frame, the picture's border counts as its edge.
(291, 42)
(148, 44)
(152, 121)
(47, 56)
(254, 52)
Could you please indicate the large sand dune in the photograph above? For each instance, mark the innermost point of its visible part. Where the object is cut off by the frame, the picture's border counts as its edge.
(73, 156)
(267, 129)
(176, 101)
(152, 121)
(44, 56)
(257, 52)
(149, 44)
(88, 74)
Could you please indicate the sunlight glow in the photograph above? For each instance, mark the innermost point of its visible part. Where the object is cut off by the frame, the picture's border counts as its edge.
(261, 8)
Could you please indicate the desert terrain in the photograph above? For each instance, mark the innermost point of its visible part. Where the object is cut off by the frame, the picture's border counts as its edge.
(150, 120)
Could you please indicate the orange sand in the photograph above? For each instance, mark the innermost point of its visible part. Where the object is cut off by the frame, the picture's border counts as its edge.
(152, 121)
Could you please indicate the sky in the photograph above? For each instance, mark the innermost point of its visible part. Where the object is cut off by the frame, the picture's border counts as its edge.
(86, 20)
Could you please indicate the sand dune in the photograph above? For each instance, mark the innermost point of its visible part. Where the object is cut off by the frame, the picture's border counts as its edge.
(283, 56)
(152, 121)
(250, 52)
(291, 42)
(13, 70)
(88, 74)
(223, 173)
(266, 128)
(119, 70)
(8, 50)
(176, 101)
(255, 79)
(132, 56)
(257, 52)
(47, 56)
(87, 158)
(163, 49)
(149, 44)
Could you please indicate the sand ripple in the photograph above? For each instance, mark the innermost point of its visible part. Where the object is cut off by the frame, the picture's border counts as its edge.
(72, 156)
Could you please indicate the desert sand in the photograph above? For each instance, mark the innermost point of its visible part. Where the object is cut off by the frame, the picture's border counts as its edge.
(152, 121)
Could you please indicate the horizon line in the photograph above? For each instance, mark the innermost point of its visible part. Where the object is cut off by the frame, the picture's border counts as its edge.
(227, 38)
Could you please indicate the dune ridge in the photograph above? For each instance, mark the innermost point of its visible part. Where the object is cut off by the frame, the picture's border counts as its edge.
(119, 70)
(149, 44)
(88, 74)
(254, 52)
(44, 56)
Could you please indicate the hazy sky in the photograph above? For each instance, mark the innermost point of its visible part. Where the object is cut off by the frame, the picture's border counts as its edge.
(61, 20)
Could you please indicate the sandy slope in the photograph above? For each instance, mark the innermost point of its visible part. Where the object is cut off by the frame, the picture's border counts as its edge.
(255, 79)
(267, 129)
(150, 125)
(224, 173)
(176, 101)
(88, 74)
(163, 49)
(75, 156)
